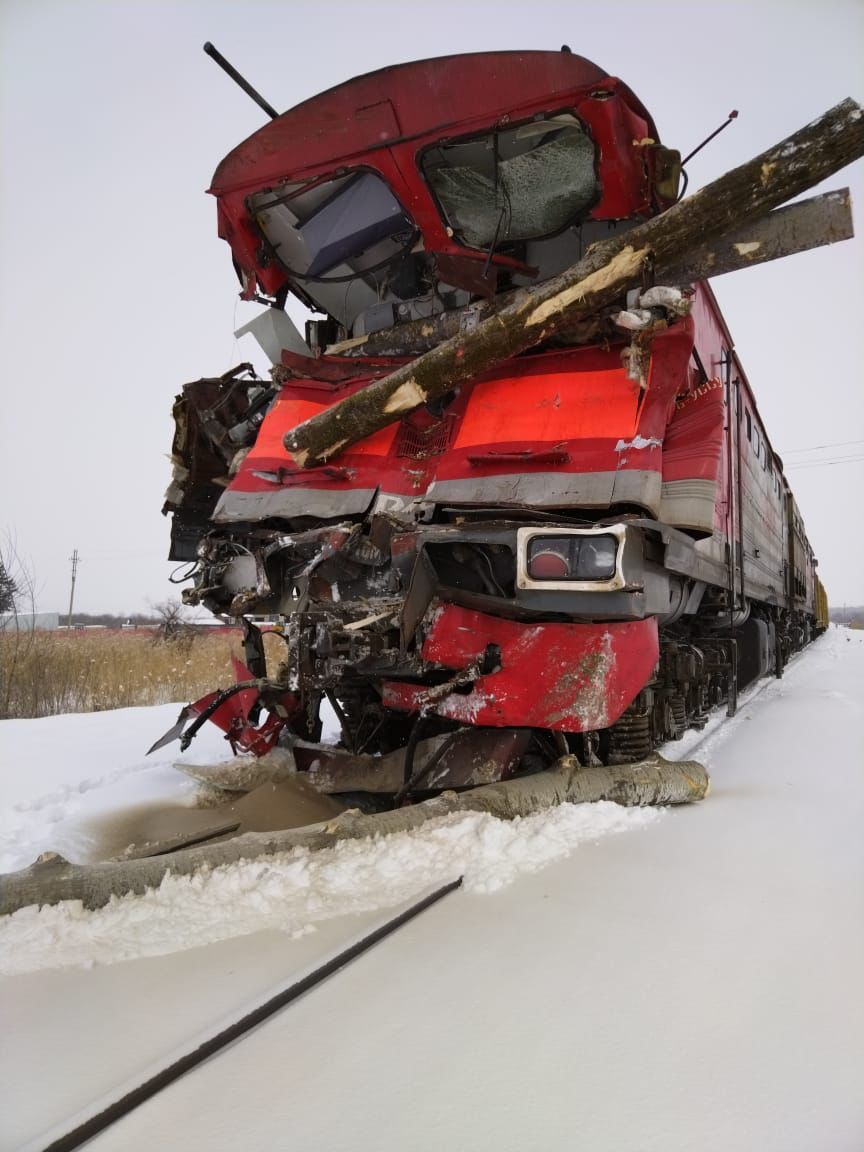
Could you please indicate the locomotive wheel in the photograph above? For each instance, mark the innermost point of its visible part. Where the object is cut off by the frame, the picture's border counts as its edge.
(679, 715)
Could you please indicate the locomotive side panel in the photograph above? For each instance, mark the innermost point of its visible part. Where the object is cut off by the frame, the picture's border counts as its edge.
(700, 490)
(802, 562)
(762, 518)
(749, 520)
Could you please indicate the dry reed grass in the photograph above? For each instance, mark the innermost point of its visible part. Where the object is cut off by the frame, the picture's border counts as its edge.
(45, 673)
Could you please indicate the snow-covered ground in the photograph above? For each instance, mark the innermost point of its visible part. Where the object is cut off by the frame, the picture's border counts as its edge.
(64, 778)
(110, 789)
(693, 985)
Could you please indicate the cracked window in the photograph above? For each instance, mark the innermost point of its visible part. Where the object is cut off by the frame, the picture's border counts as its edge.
(518, 184)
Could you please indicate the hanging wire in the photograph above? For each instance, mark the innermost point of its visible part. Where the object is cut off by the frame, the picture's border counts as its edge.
(805, 464)
(819, 447)
(174, 578)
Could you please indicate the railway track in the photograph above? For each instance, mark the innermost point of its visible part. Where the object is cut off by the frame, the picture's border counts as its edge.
(80, 1135)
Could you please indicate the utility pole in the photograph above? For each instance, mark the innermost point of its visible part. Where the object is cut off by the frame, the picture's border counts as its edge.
(74, 559)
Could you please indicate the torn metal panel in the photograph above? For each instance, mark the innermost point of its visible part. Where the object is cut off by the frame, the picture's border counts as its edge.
(461, 759)
(205, 413)
(235, 507)
(474, 757)
(421, 592)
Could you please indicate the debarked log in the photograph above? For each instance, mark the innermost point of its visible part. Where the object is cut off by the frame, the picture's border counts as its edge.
(608, 270)
(651, 782)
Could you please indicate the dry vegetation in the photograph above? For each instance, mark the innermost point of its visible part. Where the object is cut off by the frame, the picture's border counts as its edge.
(44, 673)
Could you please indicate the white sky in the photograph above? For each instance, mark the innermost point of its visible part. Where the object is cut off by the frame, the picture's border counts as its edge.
(115, 290)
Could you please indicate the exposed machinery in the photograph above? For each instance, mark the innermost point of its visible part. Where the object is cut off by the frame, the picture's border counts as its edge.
(582, 550)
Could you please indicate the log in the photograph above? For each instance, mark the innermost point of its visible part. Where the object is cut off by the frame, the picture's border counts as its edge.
(654, 781)
(800, 227)
(607, 271)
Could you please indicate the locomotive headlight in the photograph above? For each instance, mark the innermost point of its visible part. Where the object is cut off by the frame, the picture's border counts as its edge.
(549, 558)
(570, 558)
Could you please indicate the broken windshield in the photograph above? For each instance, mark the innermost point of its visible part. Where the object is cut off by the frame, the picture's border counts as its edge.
(334, 229)
(518, 184)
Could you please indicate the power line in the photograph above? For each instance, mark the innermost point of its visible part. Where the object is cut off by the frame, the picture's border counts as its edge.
(804, 464)
(819, 447)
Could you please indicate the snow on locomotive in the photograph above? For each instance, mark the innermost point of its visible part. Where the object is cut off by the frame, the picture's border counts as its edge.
(584, 549)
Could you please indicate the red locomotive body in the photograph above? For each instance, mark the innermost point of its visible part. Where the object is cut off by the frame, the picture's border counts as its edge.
(588, 546)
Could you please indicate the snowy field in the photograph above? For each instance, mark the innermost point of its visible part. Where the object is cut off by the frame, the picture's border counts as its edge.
(694, 984)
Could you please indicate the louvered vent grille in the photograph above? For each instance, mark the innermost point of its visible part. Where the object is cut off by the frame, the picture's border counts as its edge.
(418, 443)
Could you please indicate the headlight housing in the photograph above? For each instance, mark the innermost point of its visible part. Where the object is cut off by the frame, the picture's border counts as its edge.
(571, 559)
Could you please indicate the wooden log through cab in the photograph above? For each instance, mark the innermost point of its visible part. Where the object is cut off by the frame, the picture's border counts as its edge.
(800, 227)
(608, 271)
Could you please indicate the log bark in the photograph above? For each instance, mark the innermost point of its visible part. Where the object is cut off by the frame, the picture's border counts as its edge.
(799, 227)
(654, 781)
(812, 223)
(597, 281)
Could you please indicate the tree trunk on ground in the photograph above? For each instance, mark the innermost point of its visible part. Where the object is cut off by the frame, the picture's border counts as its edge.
(601, 278)
(655, 781)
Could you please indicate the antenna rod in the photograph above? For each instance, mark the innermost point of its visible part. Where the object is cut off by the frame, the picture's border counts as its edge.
(733, 115)
(238, 79)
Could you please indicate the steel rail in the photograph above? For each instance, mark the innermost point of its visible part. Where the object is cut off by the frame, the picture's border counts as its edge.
(137, 1096)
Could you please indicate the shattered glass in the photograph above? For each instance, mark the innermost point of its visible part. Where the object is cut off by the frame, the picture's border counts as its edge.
(522, 183)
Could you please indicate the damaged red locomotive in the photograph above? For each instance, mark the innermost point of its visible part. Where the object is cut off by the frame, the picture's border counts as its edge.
(582, 550)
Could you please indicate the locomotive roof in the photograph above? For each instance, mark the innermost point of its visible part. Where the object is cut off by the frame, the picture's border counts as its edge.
(387, 123)
(404, 101)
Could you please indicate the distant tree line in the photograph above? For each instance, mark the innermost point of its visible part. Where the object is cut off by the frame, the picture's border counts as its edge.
(8, 589)
(109, 620)
(850, 614)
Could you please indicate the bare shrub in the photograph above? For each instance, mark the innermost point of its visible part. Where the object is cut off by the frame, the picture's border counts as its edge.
(16, 634)
(173, 628)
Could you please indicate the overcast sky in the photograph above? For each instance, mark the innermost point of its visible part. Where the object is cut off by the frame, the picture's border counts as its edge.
(114, 288)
